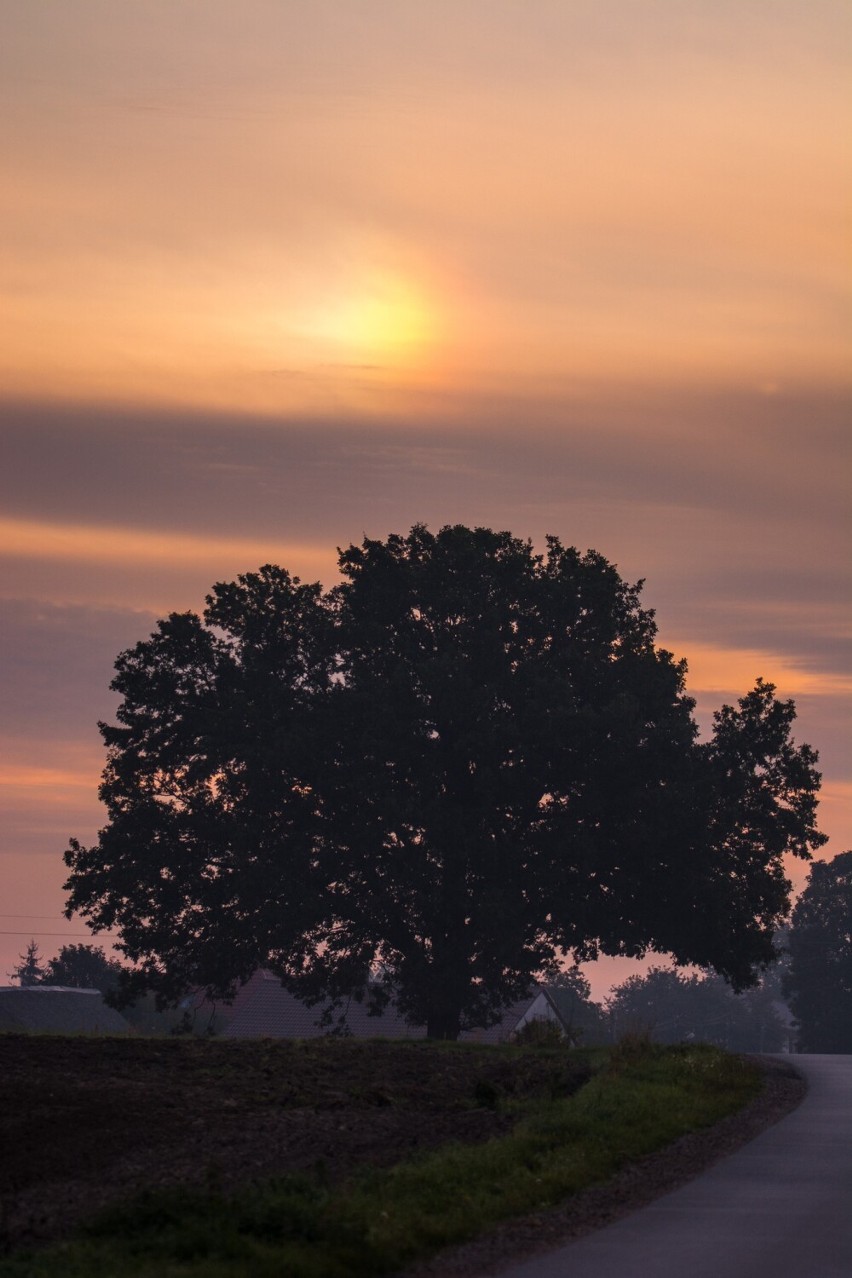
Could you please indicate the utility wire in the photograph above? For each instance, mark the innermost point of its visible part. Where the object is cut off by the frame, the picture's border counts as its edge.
(50, 917)
(34, 932)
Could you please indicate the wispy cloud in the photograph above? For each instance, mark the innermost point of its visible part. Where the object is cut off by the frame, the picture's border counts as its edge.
(116, 545)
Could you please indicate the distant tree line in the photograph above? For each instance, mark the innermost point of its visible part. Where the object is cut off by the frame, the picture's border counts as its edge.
(672, 1007)
(817, 978)
(803, 1002)
(82, 967)
(87, 967)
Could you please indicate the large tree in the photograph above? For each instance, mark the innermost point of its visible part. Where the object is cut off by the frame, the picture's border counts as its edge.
(818, 977)
(461, 764)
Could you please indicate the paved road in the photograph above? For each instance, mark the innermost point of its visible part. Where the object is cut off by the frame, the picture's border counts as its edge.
(781, 1207)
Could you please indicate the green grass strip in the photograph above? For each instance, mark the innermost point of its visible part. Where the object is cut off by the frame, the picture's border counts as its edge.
(640, 1100)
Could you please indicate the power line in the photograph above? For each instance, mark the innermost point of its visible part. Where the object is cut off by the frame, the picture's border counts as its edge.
(87, 935)
(50, 917)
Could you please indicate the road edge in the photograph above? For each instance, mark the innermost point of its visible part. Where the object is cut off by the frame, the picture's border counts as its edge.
(635, 1186)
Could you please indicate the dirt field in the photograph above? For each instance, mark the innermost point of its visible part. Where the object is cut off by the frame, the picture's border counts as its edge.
(84, 1121)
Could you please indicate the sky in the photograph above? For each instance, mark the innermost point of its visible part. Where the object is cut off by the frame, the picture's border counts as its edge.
(277, 276)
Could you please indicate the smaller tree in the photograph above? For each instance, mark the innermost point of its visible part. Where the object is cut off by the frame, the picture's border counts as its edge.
(673, 1007)
(83, 967)
(572, 994)
(818, 980)
(30, 969)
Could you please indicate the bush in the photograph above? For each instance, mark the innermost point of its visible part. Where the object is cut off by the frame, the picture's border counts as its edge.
(540, 1032)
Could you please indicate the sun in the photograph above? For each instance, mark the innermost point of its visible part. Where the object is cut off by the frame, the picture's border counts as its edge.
(384, 320)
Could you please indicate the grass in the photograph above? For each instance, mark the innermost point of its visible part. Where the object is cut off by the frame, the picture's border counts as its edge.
(640, 1098)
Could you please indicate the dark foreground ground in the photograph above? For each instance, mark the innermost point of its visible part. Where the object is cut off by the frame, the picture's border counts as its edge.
(87, 1121)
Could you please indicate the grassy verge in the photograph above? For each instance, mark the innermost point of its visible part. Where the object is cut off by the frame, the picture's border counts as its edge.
(640, 1099)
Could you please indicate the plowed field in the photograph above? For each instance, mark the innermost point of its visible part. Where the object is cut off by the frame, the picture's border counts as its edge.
(84, 1121)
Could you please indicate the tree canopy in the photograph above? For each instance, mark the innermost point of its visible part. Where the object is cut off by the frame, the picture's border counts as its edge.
(75, 966)
(83, 967)
(570, 991)
(818, 979)
(463, 763)
(672, 1007)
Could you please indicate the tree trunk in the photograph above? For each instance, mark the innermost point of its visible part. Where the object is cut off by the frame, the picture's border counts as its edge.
(444, 1024)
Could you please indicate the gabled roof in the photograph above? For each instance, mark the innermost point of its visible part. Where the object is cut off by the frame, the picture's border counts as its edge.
(565, 1003)
(264, 1009)
(56, 1009)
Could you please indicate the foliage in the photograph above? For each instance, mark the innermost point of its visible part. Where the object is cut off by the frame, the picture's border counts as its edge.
(671, 1008)
(87, 967)
(30, 969)
(818, 980)
(385, 1219)
(571, 993)
(633, 1048)
(539, 1032)
(462, 763)
(83, 967)
(572, 1017)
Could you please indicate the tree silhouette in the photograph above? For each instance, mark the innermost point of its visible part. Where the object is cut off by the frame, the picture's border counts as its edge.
(30, 969)
(673, 1007)
(463, 763)
(818, 979)
(83, 967)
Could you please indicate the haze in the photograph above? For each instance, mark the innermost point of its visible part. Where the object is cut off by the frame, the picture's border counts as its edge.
(276, 276)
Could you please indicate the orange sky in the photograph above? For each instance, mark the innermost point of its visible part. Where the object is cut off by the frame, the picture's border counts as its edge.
(289, 274)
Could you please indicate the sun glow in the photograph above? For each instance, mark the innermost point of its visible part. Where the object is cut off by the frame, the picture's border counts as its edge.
(384, 320)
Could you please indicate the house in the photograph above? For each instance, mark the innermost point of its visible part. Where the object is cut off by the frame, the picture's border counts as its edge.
(577, 1019)
(57, 1009)
(264, 1009)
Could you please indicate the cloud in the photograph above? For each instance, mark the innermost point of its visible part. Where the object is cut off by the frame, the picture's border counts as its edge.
(54, 679)
(595, 190)
(741, 453)
(116, 545)
(49, 791)
(732, 506)
(716, 669)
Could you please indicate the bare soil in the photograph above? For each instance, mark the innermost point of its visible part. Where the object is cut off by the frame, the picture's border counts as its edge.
(87, 1121)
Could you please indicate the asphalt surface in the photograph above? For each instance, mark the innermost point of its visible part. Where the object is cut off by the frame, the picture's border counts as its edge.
(780, 1207)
